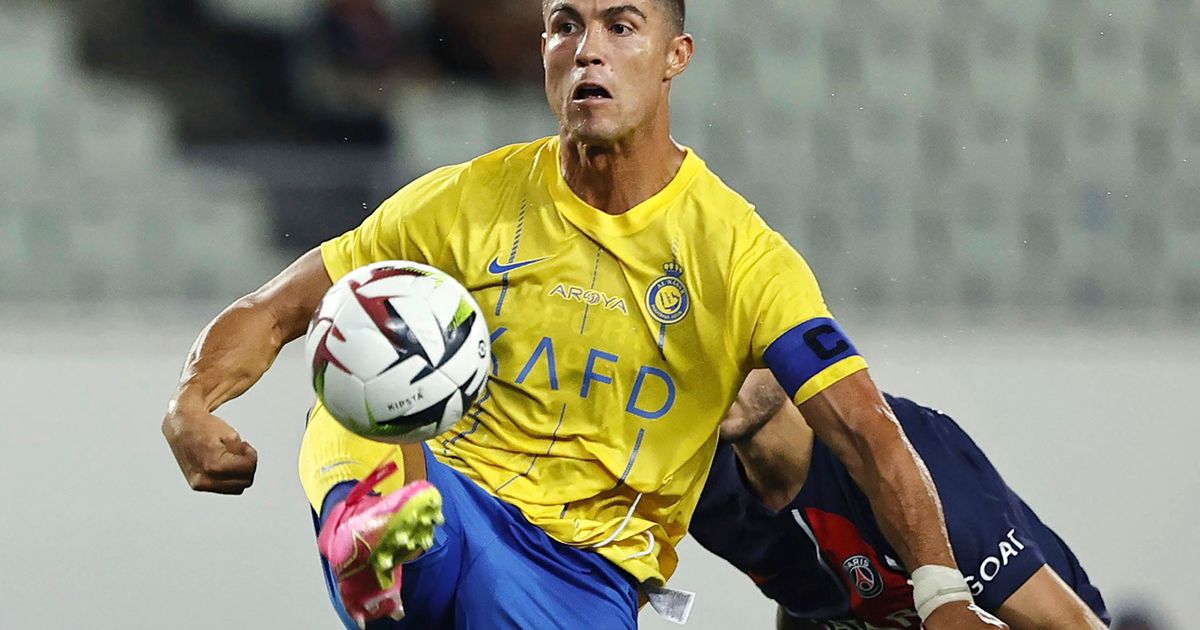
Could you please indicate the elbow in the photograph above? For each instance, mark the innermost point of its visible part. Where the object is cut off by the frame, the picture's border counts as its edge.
(256, 307)
(250, 303)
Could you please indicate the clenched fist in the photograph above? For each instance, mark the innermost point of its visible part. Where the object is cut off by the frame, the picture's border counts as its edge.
(210, 453)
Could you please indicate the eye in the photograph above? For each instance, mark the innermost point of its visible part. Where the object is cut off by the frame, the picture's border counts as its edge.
(622, 29)
(566, 28)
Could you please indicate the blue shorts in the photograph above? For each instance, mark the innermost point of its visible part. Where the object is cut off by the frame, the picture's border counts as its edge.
(489, 568)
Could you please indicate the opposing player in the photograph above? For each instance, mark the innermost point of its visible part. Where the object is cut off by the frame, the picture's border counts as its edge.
(819, 551)
(628, 292)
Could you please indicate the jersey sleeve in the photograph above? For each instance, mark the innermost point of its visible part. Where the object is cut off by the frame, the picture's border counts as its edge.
(993, 533)
(780, 312)
(408, 226)
(993, 542)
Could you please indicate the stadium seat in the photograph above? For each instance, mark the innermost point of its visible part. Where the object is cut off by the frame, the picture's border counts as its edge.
(285, 17)
(101, 240)
(441, 124)
(217, 214)
(35, 50)
(39, 225)
(14, 245)
(19, 143)
(974, 152)
(88, 171)
(121, 131)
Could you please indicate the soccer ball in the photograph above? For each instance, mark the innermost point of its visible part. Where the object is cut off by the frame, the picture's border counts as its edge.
(399, 351)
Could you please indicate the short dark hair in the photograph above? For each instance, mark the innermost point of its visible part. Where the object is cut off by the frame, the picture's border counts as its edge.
(677, 9)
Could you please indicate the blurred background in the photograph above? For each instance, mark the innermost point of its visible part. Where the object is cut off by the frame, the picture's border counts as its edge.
(1000, 198)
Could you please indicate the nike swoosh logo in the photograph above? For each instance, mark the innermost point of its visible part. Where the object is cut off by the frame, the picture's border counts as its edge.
(495, 267)
(344, 462)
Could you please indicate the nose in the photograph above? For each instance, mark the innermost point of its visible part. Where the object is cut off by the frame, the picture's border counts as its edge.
(587, 53)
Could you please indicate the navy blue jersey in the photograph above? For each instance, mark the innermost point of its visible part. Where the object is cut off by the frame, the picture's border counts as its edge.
(824, 558)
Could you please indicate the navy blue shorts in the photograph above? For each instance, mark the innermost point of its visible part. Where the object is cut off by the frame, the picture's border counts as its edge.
(489, 568)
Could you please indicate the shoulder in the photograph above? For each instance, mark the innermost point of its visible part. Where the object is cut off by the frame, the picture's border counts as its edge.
(513, 162)
(509, 161)
(728, 225)
(721, 205)
(726, 213)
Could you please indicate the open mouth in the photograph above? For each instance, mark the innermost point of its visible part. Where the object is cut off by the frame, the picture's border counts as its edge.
(590, 92)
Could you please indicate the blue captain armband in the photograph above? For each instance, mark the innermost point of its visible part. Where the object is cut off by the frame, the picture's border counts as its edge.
(812, 356)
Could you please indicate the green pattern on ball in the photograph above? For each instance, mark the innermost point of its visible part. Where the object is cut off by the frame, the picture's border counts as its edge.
(319, 383)
(462, 314)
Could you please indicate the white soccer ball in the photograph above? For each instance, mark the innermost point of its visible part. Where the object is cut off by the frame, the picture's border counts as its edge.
(399, 351)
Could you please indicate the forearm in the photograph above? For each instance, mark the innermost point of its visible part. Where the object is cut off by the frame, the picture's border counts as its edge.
(902, 495)
(230, 355)
(239, 346)
(857, 424)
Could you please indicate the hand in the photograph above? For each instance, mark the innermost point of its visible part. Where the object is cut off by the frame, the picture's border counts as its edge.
(210, 453)
(962, 616)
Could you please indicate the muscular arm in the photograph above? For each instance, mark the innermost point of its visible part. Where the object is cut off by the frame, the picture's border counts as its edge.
(229, 357)
(1045, 602)
(853, 419)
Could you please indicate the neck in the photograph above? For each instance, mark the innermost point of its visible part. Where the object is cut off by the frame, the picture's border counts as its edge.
(776, 459)
(616, 178)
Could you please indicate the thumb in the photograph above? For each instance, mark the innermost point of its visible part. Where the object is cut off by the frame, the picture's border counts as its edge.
(234, 443)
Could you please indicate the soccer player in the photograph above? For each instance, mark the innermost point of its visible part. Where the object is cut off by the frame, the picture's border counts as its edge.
(820, 553)
(629, 292)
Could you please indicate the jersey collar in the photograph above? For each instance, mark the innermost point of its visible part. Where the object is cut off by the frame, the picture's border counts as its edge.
(579, 212)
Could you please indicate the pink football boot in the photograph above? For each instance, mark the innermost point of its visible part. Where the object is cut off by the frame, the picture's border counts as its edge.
(367, 538)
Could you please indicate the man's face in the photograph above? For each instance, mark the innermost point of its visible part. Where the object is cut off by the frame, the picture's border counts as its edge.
(607, 65)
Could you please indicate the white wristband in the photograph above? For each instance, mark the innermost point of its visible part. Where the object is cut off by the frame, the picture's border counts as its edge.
(935, 585)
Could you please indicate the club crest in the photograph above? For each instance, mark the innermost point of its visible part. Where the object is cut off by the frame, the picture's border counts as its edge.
(667, 298)
(863, 576)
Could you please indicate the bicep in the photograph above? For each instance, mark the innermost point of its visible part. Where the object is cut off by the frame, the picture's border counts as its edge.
(293, 295)
(1045, 601)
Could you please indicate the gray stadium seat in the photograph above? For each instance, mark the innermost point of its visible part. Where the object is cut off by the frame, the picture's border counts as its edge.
(977, 153)
(94, 203)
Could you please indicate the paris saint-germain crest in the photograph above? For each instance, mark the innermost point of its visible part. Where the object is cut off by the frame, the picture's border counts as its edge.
(667, 298)
(863, 575)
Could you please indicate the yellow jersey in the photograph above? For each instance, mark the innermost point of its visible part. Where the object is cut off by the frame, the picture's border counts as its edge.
(618, 341)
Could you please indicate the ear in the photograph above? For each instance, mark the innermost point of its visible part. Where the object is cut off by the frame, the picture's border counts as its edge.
(679, 55)
(544, 36)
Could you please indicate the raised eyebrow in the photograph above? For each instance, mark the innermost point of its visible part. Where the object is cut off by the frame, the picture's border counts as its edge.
(563, 7)
(614, 12)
